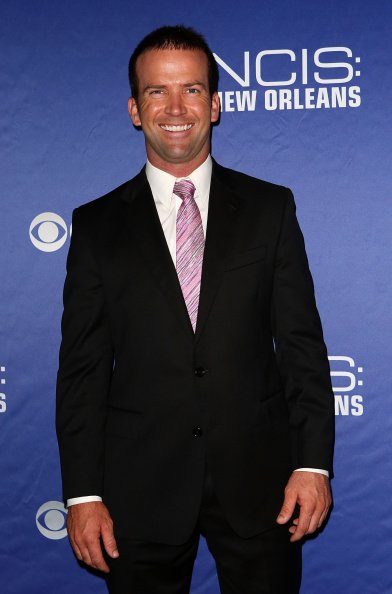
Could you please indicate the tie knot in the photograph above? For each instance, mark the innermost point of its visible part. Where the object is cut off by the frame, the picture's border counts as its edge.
(184, 189)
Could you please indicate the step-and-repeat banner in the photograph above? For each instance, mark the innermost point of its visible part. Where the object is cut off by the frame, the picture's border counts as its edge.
(306, 102)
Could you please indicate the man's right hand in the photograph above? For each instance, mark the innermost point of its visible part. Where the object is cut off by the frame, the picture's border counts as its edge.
(87, 523)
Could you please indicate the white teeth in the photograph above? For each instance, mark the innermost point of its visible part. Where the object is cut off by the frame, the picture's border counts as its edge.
(176, 128)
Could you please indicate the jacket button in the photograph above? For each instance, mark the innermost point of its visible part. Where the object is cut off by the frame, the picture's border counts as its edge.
(200, 371)
(197, 431)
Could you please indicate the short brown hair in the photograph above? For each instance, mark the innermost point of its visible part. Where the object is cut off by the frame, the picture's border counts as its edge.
(173, 37)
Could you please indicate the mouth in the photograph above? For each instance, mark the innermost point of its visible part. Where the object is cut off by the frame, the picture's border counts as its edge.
(181, 128)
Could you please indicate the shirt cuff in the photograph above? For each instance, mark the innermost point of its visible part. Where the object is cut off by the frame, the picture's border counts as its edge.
(86, 499)
(318, 470)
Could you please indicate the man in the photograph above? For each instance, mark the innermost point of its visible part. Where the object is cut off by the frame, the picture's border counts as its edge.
(193, 390)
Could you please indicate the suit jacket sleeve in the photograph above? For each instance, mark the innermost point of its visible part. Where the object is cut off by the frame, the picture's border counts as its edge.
(300, 350)
(85, 368)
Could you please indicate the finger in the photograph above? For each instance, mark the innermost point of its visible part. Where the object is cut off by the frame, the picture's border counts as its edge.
(303, 525)
(293, 526)
(85, 555)
(325, 505)
(287, 508)
(94, 557)
(292, 529)
(75, 549)
(314, 521)
(324, 516)
(72, 542)
(109, 542)
(321, 520)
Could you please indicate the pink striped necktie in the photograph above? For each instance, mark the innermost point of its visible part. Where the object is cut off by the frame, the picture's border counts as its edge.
(189, 246)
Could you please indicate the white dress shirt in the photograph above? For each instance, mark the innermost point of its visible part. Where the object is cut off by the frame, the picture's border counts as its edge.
(167, 205)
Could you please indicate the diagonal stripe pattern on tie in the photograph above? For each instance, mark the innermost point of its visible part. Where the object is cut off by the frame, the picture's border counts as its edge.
(189, 246)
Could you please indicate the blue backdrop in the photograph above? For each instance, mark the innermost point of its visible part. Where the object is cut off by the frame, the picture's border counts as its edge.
(306, 92)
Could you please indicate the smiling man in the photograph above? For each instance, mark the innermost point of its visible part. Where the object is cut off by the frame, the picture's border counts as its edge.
(193, 390)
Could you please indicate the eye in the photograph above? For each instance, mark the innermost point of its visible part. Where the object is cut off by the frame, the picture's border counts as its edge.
(50, 520)
(193, 91)
(48, 232)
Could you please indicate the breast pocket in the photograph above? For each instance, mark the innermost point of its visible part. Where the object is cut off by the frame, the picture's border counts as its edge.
(246, 258)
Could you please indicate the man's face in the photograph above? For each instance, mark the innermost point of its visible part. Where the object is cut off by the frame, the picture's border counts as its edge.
(174, 108)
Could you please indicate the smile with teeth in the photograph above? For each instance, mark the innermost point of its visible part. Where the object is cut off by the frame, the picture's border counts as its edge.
(182, 128)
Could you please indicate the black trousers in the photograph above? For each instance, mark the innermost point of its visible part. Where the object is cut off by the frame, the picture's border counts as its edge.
(265, 564)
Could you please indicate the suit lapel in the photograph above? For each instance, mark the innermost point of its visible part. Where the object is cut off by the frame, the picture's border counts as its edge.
(146, 235)
(221, 226)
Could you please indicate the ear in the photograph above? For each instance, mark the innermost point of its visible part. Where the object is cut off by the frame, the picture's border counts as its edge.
(134, 112)
(215, 107)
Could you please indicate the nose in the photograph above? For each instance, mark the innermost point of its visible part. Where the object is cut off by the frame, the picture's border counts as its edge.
(175, 104)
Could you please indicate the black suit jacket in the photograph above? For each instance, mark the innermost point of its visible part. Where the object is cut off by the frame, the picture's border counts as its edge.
(143, 402)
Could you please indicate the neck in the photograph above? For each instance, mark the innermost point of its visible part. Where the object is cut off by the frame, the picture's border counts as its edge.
(178, 169)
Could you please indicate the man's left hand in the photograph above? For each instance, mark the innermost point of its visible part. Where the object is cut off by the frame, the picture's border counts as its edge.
(312, 493)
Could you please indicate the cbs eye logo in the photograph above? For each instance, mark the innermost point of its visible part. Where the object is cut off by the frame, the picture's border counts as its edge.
(48, 232)
(50, 520)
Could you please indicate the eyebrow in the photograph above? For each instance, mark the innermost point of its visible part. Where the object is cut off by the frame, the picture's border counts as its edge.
(195, 83)
(148, 87)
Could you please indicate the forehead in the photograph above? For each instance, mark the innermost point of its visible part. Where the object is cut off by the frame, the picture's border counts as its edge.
(158, 65)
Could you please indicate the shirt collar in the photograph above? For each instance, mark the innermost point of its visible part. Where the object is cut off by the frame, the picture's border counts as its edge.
(162, 183)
